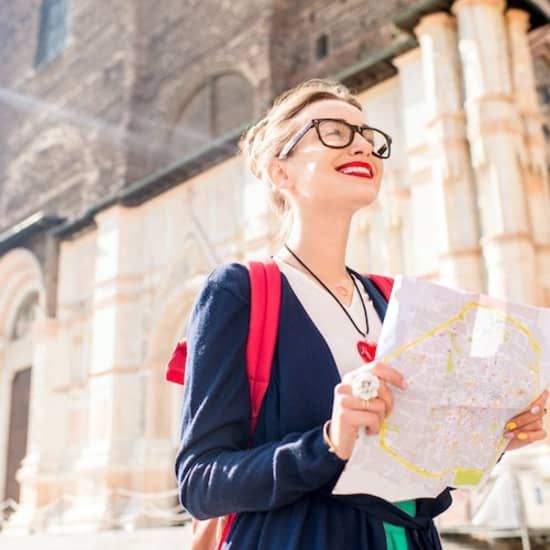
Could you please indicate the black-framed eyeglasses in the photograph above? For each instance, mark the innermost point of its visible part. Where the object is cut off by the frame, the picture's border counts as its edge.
(337, 133)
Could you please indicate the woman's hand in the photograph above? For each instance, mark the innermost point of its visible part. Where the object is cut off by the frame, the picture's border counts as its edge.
(527, 427)
(350, 413)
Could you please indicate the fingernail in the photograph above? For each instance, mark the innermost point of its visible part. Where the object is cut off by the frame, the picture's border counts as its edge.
(509, 435)
(522, 436)
(511, 426)
(535, 409)
(404, 384)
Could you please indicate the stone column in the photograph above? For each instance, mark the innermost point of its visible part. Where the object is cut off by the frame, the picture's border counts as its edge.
(116, 415)
(38, 474)
(532, 158)
(395, 214)
(459, 250)
(495, 135)
(421, 244)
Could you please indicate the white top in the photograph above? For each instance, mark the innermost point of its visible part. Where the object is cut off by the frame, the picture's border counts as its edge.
(333, 324)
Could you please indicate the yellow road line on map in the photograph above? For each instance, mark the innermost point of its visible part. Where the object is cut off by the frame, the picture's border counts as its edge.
(459, 317)
(404, 462)
(468, 476)
(450, 362)
(535, 367)
(454, 343)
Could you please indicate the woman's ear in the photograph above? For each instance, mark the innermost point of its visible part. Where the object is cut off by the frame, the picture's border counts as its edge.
(278, 174)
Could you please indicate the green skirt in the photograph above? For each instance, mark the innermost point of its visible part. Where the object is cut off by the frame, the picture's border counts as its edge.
(396, 538)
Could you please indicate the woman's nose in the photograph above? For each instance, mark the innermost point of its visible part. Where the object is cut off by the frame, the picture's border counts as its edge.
(360, 145)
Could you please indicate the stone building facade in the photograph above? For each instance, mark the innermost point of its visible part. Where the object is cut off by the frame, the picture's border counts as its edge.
(120, 190)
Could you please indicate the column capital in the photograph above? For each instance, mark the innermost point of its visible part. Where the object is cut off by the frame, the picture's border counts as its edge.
(46, 327)
(460, 4)
(406, 58)
(435, 20)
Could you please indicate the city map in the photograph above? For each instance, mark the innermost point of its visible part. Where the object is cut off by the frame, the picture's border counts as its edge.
(471, 363)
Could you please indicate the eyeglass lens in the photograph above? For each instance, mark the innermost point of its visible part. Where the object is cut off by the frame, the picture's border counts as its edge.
(335, 133)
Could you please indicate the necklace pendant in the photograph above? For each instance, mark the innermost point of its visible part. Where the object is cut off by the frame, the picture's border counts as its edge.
(342, 290)
(366, 349)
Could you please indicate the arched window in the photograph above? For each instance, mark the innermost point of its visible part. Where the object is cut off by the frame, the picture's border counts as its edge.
(321, 47)
(26, 314)
(222, 104)
(53, 30)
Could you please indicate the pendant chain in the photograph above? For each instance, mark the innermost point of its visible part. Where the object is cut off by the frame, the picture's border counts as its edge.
(363, 334)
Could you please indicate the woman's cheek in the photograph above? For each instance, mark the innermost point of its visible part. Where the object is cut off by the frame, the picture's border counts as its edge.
(380, 170)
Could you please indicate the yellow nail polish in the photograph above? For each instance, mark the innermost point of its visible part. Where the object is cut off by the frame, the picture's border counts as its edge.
(522, 437)
(511, 426)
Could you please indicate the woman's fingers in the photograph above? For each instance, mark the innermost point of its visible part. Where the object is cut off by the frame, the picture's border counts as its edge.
(385, 394)
(520, 433)
(375, 405)
(360, 419)
(343, 389)
(535, 412)
(538, 406)
(359, 412)
(389, 374)
(380, 369)
(383, 403)
(525, 438)
(351, 413)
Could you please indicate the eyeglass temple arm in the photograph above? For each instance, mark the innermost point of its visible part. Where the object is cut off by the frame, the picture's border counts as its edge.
(291, 144)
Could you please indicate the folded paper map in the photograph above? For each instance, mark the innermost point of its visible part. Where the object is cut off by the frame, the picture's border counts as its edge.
(471, 363)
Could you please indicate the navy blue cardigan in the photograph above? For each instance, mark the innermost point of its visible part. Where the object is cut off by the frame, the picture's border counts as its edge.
(281, 484)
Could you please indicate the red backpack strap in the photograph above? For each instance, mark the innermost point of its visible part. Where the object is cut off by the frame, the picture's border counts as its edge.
(383, 284)
(265, 306)
(264, 321)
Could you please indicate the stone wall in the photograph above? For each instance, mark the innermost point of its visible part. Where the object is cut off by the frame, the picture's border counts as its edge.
(63, 147)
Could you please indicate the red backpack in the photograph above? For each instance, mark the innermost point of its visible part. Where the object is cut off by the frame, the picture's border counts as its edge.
(265, 305)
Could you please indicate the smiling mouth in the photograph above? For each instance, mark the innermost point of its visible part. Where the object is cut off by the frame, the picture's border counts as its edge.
(363, 171)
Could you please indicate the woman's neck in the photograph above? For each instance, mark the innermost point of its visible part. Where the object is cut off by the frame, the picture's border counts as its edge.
(321, 244)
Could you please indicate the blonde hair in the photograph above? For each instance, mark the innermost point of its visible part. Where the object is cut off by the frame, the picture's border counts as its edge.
(263, 142)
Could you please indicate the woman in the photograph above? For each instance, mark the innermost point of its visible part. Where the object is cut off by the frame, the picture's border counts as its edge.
(322, 164)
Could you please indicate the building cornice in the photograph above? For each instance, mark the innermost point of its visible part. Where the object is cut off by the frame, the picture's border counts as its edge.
(23, 230)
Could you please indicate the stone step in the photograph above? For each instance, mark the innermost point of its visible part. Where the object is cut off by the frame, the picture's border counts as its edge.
(142, 539)
(172, 537)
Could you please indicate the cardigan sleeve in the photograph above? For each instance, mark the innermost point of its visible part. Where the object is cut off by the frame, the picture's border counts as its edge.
(216, 470)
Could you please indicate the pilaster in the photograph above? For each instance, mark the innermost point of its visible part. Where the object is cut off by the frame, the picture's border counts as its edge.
(457, 222)
(495, 135)
(532, 157)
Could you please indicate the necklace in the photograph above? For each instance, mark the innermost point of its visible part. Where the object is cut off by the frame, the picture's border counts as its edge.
(366, 347)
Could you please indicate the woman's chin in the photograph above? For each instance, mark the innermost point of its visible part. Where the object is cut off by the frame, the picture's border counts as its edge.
(366, 192)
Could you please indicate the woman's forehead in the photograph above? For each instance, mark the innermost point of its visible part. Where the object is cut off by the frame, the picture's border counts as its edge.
(332, 108)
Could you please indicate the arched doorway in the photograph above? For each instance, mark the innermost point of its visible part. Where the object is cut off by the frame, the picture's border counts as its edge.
(17, 431)
(21, 300)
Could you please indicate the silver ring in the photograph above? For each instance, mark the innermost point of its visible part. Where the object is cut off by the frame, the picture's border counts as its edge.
(365, 385)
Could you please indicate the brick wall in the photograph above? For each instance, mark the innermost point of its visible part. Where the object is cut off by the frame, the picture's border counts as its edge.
(63, 123)
(118, 103)
(355, 29)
